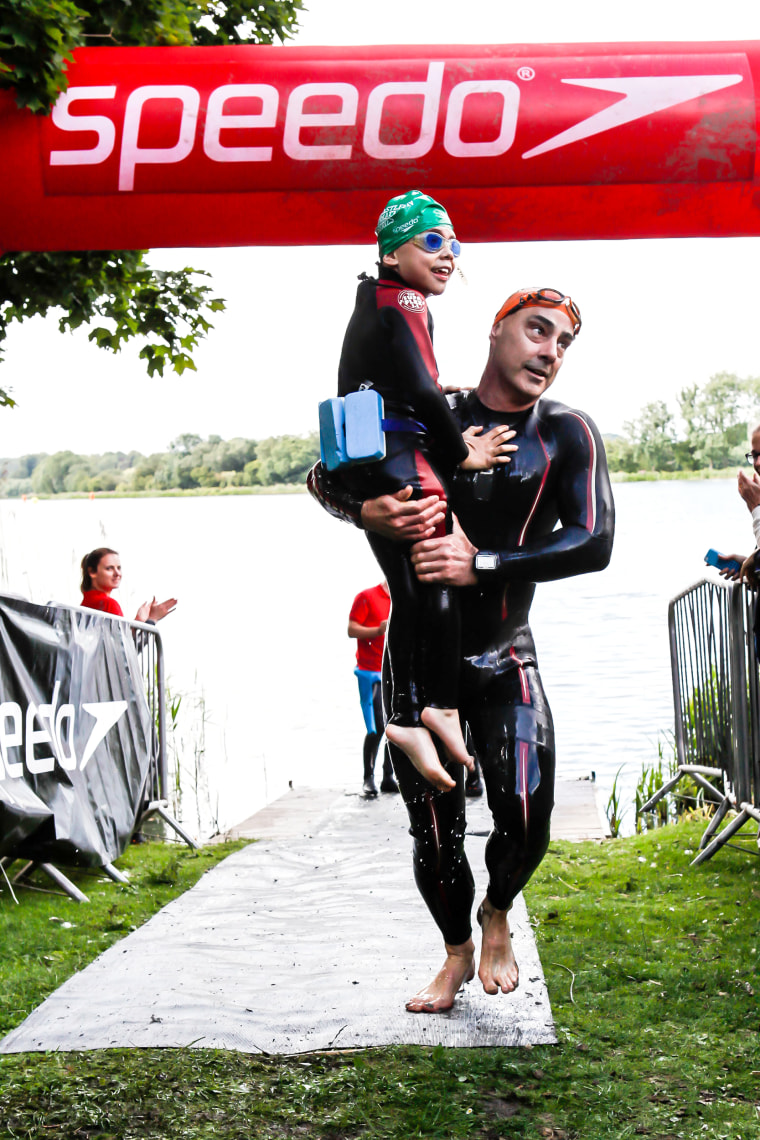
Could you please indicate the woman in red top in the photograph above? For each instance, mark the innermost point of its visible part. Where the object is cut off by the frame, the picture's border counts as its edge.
(101, 574)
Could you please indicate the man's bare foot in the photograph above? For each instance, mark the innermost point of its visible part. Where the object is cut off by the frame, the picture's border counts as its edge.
(417, 744)
(447, 727)
(439, 994)
(498, 969)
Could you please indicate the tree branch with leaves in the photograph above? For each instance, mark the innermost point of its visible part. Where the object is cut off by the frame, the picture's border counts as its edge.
(170, 309)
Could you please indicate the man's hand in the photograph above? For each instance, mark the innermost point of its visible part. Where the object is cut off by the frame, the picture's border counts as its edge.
(749, 489)
(399, 517)
(489, 450)
(447, 560)
(747, 572)
(733, 575)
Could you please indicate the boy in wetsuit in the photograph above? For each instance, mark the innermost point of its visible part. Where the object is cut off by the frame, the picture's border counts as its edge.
(388, 346)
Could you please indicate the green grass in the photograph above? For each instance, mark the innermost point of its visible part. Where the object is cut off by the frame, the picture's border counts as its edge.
(653, 978)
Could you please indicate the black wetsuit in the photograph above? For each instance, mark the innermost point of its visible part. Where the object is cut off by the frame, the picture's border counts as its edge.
(388, 347)
(558, 475)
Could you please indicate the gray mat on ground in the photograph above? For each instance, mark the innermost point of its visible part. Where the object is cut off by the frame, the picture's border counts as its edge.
(293, 946)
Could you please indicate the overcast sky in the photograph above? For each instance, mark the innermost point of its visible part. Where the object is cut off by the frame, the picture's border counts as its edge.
(657, 314)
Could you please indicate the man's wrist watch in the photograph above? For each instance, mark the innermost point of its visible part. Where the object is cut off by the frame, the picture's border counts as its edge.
(486, 560)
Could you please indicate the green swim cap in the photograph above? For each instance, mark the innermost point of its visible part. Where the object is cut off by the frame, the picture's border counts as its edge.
(406, 215)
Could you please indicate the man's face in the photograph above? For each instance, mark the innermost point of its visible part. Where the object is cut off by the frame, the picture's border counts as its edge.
(756, 448)
(527, 350)
(428, 272)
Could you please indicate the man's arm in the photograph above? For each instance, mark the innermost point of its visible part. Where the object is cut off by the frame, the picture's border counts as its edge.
(581, 544)
(749, 489)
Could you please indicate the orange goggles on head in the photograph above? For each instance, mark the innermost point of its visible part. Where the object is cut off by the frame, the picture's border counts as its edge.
(536, 299)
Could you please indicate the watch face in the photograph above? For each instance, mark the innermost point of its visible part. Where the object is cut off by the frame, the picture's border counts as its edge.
(485, 561)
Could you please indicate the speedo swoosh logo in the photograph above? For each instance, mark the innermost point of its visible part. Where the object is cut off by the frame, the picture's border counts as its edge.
(106, 714)
(644, 94)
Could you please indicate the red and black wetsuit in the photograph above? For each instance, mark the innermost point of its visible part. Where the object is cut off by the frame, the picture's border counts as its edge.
(388, 347)
(558, 475)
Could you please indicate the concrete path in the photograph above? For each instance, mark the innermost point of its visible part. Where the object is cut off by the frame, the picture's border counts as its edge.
(310, 939)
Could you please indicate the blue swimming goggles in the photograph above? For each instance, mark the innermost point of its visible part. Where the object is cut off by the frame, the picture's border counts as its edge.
(433, 242)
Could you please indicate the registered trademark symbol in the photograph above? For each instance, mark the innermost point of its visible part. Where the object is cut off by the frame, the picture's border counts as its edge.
(526, 73)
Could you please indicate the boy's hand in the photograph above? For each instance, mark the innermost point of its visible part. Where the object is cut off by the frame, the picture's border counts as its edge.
(487, 450)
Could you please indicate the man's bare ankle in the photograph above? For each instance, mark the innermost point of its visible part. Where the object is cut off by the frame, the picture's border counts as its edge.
(460, 950)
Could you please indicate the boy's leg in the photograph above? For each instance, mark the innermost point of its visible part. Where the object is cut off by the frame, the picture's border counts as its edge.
(405, 728)
(439, 633)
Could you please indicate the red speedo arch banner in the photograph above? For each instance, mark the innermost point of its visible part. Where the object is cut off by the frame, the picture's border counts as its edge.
(155, 147)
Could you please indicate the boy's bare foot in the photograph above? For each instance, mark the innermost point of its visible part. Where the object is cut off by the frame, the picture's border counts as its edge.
(498, 968)
(439, 994)
(447, 727)
(417, 744)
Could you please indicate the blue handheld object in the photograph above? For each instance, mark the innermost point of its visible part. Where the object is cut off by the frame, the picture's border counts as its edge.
(712, 558)
(365, 439)
(332, 433)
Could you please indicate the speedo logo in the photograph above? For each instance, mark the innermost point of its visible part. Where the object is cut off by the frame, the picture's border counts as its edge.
(42, 735)
(264, 123)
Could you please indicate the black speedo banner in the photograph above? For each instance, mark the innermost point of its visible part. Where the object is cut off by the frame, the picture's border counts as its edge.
(75, 734)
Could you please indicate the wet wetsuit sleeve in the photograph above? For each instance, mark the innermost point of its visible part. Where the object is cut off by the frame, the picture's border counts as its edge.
(583, 541)
(328, 489)
(415, 373)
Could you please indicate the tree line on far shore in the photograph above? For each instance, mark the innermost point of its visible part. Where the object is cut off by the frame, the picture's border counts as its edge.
(190, 463)
(713, 433)
(711, 430)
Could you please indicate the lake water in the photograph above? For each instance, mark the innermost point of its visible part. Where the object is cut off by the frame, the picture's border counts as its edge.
(258, 650)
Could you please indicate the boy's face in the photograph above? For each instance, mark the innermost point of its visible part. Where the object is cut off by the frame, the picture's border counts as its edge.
(428, 272)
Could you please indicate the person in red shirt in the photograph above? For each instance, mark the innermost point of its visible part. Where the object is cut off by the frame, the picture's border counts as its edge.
(367, 622)
(101, 574)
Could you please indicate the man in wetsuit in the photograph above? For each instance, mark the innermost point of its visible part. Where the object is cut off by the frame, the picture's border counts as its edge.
(547, 515)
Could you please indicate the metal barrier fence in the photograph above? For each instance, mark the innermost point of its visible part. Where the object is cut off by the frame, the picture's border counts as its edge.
(150, 650)
(155, 794)
(716, 696)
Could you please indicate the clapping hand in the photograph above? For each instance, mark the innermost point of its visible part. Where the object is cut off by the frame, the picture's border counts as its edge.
(154, 611)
